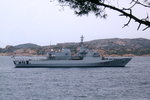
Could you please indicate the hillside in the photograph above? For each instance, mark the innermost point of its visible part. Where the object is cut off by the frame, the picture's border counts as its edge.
(116, 42)
(114, 46)
(27, 45)
(118, 46)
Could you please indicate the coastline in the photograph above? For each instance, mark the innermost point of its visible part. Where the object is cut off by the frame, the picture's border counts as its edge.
(105, 55)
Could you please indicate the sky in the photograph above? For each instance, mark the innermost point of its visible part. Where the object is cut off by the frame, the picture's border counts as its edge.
(46, 23)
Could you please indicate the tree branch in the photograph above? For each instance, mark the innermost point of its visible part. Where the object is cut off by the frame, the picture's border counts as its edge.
(129, 18)
(144, 22)
(84, 7)
(137, 2)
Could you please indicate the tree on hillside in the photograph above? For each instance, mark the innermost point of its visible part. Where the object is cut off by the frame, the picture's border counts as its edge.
(98, 7)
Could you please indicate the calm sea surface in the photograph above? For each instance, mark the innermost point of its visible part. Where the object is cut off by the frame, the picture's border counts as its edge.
(129, 83)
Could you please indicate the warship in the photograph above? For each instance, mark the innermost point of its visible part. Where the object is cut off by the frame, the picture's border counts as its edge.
(64, 59)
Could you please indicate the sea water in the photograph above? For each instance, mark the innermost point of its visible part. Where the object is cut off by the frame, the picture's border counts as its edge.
(124, 83)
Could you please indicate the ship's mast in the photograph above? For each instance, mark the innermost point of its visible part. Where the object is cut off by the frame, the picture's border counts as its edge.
(81, 44)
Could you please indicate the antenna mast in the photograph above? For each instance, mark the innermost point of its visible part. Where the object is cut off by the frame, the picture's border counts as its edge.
(81, 44)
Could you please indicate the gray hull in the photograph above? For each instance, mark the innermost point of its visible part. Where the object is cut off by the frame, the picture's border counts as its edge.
(121, 62)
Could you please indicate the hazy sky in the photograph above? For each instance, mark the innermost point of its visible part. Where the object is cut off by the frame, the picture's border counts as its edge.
(44, 23)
